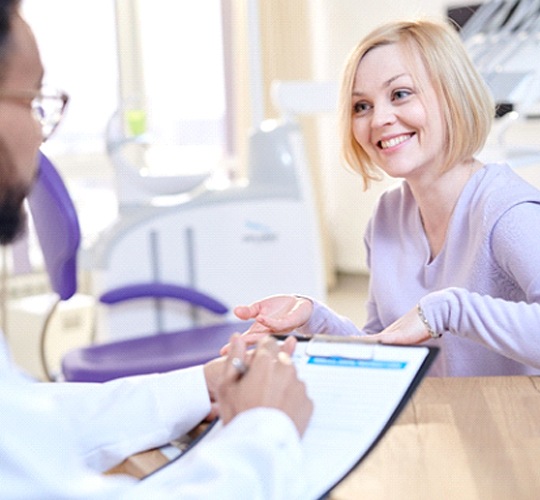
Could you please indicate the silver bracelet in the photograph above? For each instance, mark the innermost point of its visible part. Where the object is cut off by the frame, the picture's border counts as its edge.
(432, 332)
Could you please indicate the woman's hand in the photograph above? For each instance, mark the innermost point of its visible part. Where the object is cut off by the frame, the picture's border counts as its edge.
(275, 314)
(408, 329)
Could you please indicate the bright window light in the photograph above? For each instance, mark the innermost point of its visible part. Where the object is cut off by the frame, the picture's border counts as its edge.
(182, 63)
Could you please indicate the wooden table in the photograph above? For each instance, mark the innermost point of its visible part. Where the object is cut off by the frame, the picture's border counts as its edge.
(458, 438)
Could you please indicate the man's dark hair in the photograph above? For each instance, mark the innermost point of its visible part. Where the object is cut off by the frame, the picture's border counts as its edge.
(12, 215)
(7, 8)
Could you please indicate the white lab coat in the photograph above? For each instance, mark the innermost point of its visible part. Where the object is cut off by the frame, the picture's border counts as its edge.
(56, 439)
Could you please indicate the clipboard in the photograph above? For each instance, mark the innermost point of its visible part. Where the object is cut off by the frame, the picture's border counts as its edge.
(334, 443)
(351, 369)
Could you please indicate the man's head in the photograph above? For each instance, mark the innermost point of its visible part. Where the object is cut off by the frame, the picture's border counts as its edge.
(21, 73)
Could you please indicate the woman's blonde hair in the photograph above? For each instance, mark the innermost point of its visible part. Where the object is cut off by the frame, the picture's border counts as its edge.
(466, 103)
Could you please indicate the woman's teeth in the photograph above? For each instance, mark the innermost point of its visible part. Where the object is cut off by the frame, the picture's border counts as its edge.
(390, 143)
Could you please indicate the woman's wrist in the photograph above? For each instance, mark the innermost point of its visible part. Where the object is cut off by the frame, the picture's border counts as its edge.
(433, 334)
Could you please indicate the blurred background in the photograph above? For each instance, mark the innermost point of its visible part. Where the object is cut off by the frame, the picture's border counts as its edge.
(177, 90)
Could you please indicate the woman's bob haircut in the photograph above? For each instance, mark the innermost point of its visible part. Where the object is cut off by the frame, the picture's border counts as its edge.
(466, 103)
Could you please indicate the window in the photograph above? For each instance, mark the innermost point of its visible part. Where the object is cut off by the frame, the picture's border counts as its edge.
(183, 70)
(180, 58)
(77, 42)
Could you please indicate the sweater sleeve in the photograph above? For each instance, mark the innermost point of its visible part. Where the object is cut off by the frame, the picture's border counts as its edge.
(325, 320)
(509, 328)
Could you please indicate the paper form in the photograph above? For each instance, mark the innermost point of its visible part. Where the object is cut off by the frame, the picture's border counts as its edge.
(356, 388)
(355, 396)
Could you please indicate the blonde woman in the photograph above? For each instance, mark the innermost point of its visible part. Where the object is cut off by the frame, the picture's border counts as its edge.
(452, 248)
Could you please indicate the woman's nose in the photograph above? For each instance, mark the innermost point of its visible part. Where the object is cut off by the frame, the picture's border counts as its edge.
(383, 114)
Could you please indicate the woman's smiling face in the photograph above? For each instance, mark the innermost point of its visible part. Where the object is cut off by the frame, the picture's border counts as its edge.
(397, 123)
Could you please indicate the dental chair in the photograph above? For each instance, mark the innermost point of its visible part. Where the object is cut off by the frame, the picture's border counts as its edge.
(503, 40)
(57, 229)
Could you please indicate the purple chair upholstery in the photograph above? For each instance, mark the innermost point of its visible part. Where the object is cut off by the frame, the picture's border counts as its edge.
(58, 232)
(57, 228)
(156, 353)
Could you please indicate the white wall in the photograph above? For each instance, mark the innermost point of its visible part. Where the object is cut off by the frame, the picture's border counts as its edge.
(337, 26)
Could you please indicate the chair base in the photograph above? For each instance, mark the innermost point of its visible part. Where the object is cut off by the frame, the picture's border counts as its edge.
(153, 354)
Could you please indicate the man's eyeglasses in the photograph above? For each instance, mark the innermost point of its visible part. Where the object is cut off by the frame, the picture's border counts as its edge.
(48, 106)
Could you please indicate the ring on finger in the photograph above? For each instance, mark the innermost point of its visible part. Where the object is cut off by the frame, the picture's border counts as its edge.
(284, 358)
(239, 366)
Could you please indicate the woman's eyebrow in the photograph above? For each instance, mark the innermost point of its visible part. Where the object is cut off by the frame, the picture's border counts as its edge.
(387, 83)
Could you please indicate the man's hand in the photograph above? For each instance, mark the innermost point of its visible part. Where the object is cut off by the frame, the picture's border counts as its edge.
(270, 381)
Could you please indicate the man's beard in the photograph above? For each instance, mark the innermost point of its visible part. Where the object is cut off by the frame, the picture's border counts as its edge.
(12, 214)
(12, 195)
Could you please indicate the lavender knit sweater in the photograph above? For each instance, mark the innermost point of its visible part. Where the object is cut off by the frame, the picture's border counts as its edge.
(482, 290)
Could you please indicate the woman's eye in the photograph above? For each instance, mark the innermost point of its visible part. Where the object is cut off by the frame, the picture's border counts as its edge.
(361, 107)
(402, 94)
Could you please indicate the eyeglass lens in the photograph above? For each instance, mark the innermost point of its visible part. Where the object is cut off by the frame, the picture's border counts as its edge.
(48, 111)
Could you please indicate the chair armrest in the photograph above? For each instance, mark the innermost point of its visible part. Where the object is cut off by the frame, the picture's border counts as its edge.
(163, 290)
